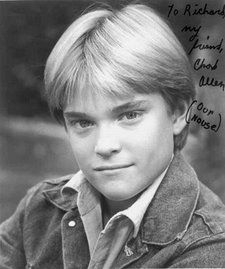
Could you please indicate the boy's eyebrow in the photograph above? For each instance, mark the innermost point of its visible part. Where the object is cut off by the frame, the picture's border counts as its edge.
(74, 114)
(115, 110)
(129, 105)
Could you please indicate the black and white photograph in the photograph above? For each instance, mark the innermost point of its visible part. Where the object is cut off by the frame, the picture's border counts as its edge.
(112, 134)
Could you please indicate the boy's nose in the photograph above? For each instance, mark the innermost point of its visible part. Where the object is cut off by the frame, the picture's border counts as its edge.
(107, 142)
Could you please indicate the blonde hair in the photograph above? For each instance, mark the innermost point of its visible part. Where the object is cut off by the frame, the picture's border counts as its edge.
(119, 52)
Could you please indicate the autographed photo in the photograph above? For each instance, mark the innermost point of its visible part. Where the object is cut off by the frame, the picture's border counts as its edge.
(34, 146)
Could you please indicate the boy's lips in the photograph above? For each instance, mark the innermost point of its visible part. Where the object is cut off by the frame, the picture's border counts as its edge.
(111, 167)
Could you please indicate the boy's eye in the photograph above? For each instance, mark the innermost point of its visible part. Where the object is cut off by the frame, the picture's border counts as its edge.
(81, 124)
(130, 115)
(84, 123)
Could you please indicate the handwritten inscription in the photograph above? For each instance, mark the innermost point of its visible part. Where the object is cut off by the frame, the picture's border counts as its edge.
(206, 122)
(210, 81)
(207, 46)
(192, 29)
(201, 63)
(191, 10)
(199, 42)
(195, 9)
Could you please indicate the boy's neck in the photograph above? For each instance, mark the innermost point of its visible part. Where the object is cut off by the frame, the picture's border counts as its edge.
(110, 207)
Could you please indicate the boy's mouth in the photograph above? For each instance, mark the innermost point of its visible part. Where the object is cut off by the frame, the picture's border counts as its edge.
(111, 167)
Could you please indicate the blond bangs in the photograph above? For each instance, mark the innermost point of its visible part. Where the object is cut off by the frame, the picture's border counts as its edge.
(93, 72)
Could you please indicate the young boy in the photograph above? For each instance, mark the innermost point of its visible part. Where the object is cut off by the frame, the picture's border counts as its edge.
(121, 84)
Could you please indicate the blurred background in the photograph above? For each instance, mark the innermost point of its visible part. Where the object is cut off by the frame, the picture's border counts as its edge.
(32, 145)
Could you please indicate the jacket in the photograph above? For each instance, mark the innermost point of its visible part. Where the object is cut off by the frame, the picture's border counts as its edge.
(184, 226)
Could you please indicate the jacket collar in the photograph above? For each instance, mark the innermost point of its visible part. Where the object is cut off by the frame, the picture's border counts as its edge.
(67, 201)
(170, 212)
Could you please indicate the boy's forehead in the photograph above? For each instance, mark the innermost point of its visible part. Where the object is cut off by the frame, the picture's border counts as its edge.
(83, 103)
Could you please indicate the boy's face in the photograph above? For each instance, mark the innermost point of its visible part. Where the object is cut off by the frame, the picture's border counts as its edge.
(121, 144)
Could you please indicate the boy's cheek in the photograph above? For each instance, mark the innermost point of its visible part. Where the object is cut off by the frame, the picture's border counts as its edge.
(79, 151)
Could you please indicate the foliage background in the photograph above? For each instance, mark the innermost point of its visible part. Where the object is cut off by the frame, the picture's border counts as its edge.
(32, 145)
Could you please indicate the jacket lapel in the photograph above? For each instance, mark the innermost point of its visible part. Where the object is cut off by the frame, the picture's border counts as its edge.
(168, 216)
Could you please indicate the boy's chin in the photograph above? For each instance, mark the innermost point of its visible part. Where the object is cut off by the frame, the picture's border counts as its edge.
(120, 196)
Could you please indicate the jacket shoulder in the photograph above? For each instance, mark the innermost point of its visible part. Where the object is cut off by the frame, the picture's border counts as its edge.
(203, 242)
(211, 209)
(208, 220)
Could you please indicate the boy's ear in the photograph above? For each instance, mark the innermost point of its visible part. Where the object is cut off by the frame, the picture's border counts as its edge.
(179, 118)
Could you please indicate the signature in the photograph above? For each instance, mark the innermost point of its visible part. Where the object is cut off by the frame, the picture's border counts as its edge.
(210, 81)
(201, 64)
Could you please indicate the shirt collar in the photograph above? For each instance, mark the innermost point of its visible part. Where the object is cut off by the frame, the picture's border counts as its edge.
(74, 183)
(88, 196)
